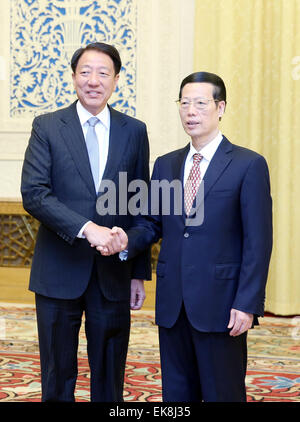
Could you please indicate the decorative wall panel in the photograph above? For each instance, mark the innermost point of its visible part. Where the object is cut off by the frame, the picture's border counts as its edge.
(17, 241)
(18, 234)
(43, 36)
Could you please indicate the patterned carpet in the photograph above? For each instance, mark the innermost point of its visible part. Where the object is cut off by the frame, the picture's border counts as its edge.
(273, 368)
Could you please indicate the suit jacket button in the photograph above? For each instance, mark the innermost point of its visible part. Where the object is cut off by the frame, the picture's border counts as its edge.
(186, 235)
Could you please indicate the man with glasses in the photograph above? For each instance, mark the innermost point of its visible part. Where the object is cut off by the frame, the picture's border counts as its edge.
(211, 275)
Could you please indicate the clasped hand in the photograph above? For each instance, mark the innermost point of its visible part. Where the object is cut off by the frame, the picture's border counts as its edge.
(106, 241)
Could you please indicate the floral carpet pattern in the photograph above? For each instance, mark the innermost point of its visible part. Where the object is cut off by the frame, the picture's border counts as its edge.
(273, 359)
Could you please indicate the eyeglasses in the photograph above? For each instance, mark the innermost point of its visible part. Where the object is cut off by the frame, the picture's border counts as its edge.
(200, 104)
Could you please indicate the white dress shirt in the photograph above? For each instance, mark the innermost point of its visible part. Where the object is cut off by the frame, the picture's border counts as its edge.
(102, 129)
(102, 132)
(207, 152)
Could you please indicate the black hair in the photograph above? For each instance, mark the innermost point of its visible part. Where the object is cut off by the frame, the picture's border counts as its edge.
(219, 91)
(108, 49)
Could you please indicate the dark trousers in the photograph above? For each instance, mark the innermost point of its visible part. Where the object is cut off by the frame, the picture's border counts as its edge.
(107, 331)
(198, 366)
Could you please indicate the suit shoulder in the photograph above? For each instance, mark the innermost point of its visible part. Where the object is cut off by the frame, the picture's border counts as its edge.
(125, 118)
(54, 115)
(249, 160)
(173, 154)
(246, 153)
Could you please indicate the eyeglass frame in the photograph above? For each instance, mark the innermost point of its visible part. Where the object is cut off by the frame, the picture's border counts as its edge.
(178, 102)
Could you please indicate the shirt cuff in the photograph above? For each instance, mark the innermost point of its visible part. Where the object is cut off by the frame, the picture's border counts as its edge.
(123, 255)
(80, 234)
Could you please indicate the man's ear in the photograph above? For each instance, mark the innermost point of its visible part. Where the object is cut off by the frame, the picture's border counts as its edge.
(117, 77)
(222, 106)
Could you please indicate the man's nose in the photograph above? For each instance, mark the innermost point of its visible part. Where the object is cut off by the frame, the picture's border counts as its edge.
(191, 108)
(94, 78)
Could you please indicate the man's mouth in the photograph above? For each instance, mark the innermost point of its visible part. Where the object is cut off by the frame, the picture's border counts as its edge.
(93, 94)
(191, 124)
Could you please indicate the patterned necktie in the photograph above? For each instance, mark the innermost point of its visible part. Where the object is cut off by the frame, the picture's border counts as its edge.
(192, 184)
(93, 148)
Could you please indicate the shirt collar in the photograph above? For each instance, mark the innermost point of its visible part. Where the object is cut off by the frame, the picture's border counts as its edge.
(84, 115)
(208, 150)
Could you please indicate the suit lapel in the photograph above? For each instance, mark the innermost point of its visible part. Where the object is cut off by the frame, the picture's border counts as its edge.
(177, 170)
(72, 134)
(218, 164)
(117, 144)
(178, 163)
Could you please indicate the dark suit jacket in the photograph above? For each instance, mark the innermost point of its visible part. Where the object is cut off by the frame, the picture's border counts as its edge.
(58, 190)
(222, 263)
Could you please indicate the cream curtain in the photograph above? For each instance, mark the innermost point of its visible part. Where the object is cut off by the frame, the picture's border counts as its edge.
(254, 45)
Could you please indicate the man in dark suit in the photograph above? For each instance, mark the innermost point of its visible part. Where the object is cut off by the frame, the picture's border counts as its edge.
(214, 258)
(69, 154)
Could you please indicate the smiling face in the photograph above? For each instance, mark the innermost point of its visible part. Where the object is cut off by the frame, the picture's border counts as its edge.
(94, 80)
(201, 125)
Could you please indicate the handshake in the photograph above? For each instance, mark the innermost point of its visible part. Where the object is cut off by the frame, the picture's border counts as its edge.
(106, 241)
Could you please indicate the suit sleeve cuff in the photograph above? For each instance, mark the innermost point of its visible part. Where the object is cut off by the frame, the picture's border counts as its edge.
(80, 234)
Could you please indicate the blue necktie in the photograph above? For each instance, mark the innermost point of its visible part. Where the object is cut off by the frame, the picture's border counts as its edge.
(93, 148)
